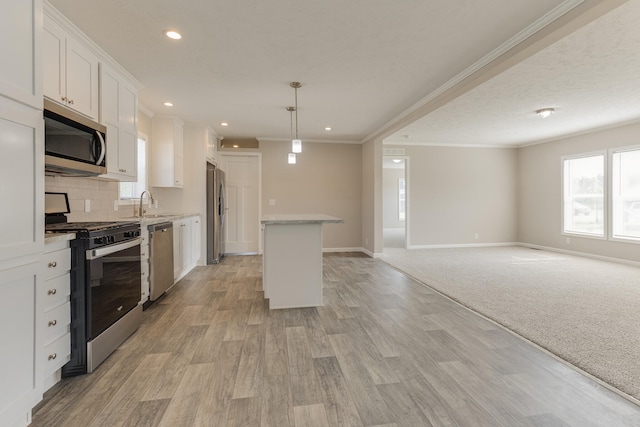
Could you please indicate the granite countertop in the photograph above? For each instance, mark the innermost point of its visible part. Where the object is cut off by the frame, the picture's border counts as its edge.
(158, 218)
(300, 219)
(58, 237)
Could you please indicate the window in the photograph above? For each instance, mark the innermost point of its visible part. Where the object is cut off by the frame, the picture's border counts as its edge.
(625, 193)
(401, 200)
(132, 190)
(583, 201)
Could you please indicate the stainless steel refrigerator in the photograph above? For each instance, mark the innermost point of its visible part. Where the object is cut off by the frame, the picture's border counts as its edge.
(215, 214)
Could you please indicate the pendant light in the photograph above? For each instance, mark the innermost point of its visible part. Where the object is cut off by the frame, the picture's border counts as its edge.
(291, 159)
(296, 144)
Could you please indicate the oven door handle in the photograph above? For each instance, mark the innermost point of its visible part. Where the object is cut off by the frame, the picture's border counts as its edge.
(100, 252)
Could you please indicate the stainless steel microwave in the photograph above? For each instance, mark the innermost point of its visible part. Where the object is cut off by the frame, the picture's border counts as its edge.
(73, 144)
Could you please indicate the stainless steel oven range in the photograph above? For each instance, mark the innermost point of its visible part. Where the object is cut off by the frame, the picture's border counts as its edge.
(105, 289)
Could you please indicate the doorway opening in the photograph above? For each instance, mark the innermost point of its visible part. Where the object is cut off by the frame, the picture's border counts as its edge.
(394, 201)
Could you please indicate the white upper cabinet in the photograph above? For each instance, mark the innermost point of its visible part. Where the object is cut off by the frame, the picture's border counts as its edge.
(70, 70)
(20, 26)
(167, 152)
(211, 141)
(118, 112)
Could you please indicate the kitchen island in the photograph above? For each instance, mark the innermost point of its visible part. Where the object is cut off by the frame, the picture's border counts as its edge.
(292, 259)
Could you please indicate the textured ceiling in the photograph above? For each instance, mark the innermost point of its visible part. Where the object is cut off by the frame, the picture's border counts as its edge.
(591, 78)
(362, 63)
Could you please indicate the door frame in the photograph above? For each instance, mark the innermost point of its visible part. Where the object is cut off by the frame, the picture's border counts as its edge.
(407, 203)
(248, 154)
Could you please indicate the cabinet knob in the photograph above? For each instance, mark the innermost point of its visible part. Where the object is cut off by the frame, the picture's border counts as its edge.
(53, 264)
(64, 98)
(53, 322)
(52, 291)
(71, 101)
(53, 356)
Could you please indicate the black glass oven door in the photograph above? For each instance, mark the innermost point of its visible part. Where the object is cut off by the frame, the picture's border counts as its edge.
(113, 284)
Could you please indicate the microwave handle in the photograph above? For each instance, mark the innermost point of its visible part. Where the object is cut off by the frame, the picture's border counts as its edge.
(102, 148)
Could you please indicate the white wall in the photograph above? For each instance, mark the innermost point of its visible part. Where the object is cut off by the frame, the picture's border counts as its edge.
(540, 192)
(456, 193)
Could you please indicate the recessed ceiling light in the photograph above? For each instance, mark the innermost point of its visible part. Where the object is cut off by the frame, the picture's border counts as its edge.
(327, 128)
(545, 112)
(168, 104)
(235, 145)
(224, 124)
(173, 34)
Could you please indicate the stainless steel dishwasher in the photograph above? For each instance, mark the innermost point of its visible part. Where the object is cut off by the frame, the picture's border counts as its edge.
(160, 259)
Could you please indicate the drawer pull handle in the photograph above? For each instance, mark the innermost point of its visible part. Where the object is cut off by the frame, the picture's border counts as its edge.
(53, 356)
(53, 322)
(53, 264)
(52, 291)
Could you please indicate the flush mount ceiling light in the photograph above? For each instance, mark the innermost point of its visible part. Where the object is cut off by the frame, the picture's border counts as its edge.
(173, 34)
(296, 144)
(545, 112)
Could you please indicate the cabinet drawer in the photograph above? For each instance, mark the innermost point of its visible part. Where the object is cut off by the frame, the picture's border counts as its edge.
(57, 354)
(57, 263)
(56, 322)
(56, 291)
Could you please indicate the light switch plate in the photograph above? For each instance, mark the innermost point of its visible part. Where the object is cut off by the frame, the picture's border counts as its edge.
(272, 202)
(87, 205)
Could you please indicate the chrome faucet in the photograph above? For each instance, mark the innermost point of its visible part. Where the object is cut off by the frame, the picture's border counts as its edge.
(142, 211)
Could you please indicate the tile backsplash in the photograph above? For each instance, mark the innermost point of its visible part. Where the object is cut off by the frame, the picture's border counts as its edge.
(101, 195)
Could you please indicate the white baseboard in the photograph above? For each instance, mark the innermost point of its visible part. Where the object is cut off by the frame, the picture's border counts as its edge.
(342, 249)
(463, 245)
(582, 254)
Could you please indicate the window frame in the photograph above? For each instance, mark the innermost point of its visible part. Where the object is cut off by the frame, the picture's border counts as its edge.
(605, 196)
(612, 237)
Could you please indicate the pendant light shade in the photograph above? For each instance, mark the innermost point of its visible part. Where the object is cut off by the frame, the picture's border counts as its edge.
(292, 159)
(296, 146)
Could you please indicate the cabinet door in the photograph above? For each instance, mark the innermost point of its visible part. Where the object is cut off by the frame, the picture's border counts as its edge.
(53, 62)
(117, 112)
(20, 51)
(195, 240)
(82, 79)
(20, 387)
(178, 162)
(22, 165)
(186, 243)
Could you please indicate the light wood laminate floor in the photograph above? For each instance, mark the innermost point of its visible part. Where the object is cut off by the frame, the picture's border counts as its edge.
(383, 351)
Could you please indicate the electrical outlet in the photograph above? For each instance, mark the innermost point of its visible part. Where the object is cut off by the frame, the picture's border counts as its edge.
(87, 205)
(568, 240)
(476, 236)
(272, 202)
(116, 205)
(155, 203)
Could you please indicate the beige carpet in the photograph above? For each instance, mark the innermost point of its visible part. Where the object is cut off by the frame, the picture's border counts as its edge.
(585, 311)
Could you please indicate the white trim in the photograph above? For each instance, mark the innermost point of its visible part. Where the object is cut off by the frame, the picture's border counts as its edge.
(319, 141)
(505, 47)
(336, 250)
(145, 110)
(582, 254)
(462, 245)
(442, 144)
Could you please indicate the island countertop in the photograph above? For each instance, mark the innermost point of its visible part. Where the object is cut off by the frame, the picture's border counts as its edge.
(300, 219)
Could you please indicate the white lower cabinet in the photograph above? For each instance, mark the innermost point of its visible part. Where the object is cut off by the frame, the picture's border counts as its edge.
(186, 247)
(20, 388)
(55, 321)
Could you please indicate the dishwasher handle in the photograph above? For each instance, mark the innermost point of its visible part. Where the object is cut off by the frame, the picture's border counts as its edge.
(163, 227)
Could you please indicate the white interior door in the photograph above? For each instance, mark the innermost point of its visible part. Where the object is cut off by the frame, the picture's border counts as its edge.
(243, 202)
